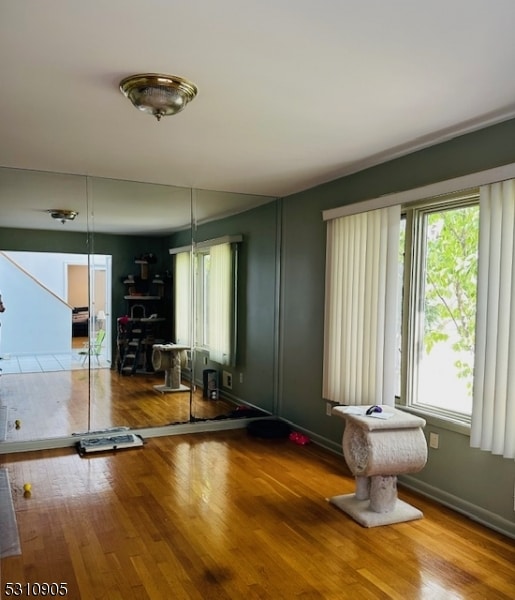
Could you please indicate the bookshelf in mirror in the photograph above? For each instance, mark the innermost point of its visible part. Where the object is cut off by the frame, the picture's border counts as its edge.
(144, 323)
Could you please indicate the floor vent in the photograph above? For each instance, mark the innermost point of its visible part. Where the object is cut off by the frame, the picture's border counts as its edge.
(109, 442)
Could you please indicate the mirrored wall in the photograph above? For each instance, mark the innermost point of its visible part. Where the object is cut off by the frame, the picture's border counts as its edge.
(93, 305)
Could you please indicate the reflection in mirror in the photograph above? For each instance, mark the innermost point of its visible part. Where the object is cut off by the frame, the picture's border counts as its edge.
(43, 275)
(118, 233)
(235, 254)
(111, 270)
(139, 385)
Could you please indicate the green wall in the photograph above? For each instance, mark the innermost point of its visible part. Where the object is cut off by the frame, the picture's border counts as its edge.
(470, 480)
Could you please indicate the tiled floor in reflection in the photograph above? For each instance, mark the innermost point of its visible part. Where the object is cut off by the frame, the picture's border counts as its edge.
(43, 363)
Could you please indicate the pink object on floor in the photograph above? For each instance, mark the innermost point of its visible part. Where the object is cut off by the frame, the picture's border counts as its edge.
(299, 438)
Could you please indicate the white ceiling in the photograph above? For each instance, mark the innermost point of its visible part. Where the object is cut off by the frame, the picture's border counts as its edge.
(292, 93)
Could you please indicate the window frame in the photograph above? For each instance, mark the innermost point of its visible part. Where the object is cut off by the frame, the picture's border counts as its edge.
(201, 301)
(411, 297)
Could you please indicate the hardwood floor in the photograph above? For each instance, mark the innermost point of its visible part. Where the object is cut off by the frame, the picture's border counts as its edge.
(59, 403)
(226, 516)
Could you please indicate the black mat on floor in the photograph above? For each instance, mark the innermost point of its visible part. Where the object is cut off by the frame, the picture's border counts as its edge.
(269, 429)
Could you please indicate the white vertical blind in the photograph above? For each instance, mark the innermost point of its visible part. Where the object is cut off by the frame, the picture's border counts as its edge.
(493, 410)
(220, 303)
(183, 300)
(360, 307)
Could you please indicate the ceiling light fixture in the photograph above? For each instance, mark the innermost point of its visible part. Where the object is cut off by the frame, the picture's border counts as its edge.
(62, 214)
(159, 95)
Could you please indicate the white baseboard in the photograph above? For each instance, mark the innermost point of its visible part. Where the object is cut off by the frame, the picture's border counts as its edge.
(472, 511)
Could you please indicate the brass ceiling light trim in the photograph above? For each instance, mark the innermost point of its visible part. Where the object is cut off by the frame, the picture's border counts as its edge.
(62, 214)
(158, 95)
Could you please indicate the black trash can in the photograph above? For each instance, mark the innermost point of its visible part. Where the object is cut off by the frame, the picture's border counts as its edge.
(210, 382)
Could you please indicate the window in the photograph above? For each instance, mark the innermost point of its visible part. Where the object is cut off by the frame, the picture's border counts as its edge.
(432, 269)
(215, 281)
(438, 263)
(183, 298)
(455, 327)
(202, 263)
(215, 274)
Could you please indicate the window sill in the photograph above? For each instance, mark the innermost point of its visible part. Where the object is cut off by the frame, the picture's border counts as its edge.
(441, 421)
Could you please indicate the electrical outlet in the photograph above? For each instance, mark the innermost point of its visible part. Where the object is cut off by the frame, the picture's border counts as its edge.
(434, 440)
(241, 377)
(227, 379)
(328, 409)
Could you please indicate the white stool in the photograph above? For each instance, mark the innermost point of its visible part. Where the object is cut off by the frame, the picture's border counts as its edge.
(376, 451)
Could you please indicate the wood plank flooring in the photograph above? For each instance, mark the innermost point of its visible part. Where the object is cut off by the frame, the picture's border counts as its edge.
(223, 515)
(57, 404)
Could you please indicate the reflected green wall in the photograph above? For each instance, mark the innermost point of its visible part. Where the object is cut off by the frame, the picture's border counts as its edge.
(473, 481)
(257, 291)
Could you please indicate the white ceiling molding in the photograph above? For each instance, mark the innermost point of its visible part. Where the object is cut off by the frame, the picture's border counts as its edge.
(432, 190)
